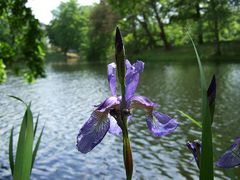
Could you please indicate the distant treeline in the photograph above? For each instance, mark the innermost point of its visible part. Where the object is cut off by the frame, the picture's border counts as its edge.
(146, 24)
(88, 30)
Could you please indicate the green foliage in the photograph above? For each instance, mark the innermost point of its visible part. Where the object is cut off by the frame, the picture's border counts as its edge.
(194, 121)
(206, 163)
(154, 23)
(102, 24)
(21, 39)
(3, 74)
(25, 155)
(68, 28)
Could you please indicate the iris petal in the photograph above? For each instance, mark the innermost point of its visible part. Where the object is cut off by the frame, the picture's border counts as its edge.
(114, 128)
(132, 77)
(231, 157)
(110, 102)
(142, 102)
(112, 78)
(161, 125)
(93, 131)
(97, 126)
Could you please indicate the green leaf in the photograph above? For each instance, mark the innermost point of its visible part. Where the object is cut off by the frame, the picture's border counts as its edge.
(190, 118)
(11, 161)
(36, 147)
(35, 128)
(23, 163)
(17, 98)
(206, 163)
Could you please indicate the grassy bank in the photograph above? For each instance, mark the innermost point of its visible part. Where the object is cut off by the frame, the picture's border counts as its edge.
(230, 53)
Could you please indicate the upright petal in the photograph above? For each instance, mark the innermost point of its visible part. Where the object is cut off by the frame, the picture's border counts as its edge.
(132, 77)
(93, 131)
(160, 124)
(112, 81)
(114, 128)
(231, 157)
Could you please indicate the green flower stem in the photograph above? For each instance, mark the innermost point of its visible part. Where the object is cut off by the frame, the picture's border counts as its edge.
(127, 153)
(121, 70)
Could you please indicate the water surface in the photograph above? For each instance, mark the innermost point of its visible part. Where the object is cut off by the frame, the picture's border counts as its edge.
(66, 98)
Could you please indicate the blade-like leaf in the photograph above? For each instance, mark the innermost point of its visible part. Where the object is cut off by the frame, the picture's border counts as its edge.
(36, 125)
(196, 122)
(23, 163)
(11, 159)
(17, 98)
(206, 163)
(36, 147)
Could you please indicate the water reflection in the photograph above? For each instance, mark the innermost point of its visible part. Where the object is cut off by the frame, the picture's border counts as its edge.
(65, 100)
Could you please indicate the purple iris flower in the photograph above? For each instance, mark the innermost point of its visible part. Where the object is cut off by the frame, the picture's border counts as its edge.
(231, 157)
(195, 148)
(104, 118)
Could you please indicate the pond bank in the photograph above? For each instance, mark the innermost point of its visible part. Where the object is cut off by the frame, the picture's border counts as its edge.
(230, 53)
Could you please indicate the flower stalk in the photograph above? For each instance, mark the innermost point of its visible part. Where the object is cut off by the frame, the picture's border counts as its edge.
(113, 114)
(121, 69)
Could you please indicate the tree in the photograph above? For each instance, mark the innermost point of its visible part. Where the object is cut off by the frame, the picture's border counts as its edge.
(102, 24)
(191, 10)
(150, 14)
(21, 39)
(66, 30)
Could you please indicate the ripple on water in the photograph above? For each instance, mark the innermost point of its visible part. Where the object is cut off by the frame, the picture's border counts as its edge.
(66, 98)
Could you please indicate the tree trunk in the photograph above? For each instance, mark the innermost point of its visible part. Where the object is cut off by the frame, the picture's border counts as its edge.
(200, 31)
(216, 27)
(161, 26)
(151, 40)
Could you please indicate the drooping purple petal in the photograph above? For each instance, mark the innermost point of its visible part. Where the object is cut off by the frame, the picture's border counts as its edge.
(93, 131)
(231, 157)
(114, 128)
(132, 77)
(160, 124)
(112, 81)
(141, 102)
(110, 102)
(195, 148)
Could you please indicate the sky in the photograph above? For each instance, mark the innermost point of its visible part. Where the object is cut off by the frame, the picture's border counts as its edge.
(42, 9)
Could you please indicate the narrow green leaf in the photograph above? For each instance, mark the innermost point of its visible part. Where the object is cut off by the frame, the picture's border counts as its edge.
(36, 147)
(206, 163)
(17, 98)
(190, 118)
(35, 128)
(24, 148)
(11, 161)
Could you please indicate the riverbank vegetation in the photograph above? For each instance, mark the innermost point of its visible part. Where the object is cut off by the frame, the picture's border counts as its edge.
(152, 29)
(152, 25)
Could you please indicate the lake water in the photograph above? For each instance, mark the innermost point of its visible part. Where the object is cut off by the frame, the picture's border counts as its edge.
(65, 100)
